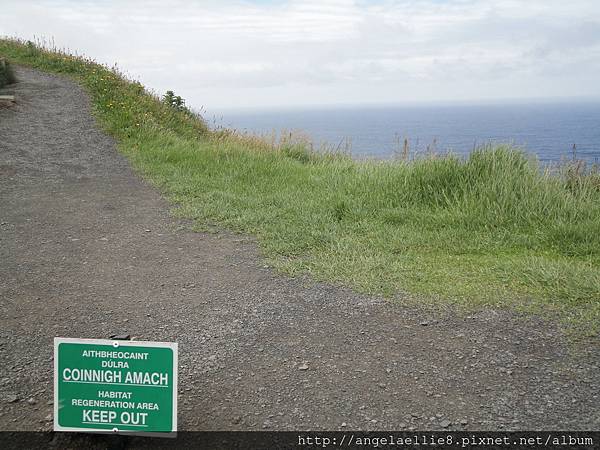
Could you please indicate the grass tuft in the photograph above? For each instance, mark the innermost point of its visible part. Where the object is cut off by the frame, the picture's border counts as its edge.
(493, 229)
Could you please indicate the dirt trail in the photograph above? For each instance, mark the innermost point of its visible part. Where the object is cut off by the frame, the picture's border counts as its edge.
(88, 250)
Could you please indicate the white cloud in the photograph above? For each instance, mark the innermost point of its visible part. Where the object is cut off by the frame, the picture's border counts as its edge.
(262, 53)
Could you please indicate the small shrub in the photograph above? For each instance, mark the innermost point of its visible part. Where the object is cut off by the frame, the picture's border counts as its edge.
(7, 75)
(174, 101)
(32, 49)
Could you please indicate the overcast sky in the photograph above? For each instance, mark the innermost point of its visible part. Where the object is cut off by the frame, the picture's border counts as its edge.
(223, 54)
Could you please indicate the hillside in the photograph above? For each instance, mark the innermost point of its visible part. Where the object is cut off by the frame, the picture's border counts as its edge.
(492, 230)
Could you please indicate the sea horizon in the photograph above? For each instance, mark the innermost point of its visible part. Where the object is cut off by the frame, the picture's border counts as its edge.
(546, 127)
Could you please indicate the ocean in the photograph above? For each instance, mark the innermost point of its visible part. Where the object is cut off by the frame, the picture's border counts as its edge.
(548, 130)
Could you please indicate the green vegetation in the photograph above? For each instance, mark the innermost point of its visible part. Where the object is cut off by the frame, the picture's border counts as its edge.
(7, 75)
(492, 230)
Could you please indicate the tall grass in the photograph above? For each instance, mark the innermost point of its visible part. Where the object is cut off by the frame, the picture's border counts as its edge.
(493, 229)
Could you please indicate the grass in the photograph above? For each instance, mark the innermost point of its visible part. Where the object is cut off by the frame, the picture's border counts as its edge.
(491, 230)
(7, 75)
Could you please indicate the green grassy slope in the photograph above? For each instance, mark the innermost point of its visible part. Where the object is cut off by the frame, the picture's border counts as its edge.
(491, 230)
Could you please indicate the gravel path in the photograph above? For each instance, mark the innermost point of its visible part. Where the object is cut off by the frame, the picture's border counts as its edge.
(88, 250)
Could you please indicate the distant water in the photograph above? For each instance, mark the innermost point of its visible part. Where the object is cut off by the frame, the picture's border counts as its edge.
(547, 129)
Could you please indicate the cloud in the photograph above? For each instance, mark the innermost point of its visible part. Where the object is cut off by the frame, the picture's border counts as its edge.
(296, 52)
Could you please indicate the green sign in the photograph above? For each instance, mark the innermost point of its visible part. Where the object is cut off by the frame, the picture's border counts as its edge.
(115, 386)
